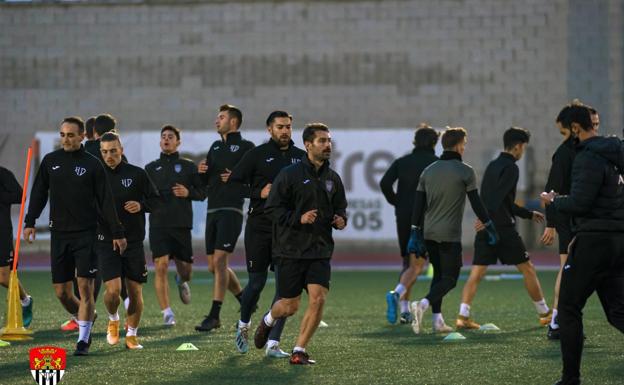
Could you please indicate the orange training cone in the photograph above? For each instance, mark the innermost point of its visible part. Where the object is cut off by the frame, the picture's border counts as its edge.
(14, 329)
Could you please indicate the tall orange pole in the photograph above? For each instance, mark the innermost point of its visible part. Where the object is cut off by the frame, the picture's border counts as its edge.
(21, 214)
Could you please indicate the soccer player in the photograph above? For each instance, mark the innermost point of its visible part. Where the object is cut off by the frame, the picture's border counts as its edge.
(224, 218)
(440, 201)
(78, 189)
(407, 170)
(11, 193)
(559, 181)
(171, 220)
(134, 195)
(596, 256)
(498, 192)
(307, 200)
(258, 168)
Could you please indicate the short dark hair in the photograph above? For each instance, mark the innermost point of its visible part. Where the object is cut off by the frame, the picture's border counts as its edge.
(563, 117)
(233, 112)
(515, 135)
(89, 127)
(309, 131)
(169, 127)
(77, 120)
(581, 115)
(277, 114)
(110, 137)
(425, 136)
(104, 123)
(452, 136)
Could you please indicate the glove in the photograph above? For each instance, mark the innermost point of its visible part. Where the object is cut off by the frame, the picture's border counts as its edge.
(416, 243)
(491, 232)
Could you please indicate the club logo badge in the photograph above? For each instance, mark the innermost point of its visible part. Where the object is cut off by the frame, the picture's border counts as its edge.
(80, 171)
(47, 364)
(126, 182)
(234, 147)
(177, 168)
(329, 185)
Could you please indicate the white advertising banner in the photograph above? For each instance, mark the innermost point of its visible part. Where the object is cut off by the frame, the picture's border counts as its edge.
(361, 156)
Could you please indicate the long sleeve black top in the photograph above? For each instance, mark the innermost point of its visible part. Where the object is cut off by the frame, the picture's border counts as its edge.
(560, 180)
(10, 193)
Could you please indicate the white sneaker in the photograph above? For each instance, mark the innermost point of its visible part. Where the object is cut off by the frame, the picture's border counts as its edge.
(275, 352)
(442, 327)
(184, 289)
(417, 312)
(169, 319)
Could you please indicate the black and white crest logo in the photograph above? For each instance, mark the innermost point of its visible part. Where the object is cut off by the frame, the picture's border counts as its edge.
(234, 147)
(126, 182)
(177, 168)
(80, 171)
(329, 185)
(294, 160)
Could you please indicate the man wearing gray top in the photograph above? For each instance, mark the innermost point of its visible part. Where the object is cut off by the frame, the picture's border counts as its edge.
(440, 201)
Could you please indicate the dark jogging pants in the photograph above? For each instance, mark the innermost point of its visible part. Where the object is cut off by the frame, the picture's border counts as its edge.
(595, 263)
(446, 258)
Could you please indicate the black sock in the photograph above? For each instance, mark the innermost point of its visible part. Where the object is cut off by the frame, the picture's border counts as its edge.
(215, 311)
(239, 297)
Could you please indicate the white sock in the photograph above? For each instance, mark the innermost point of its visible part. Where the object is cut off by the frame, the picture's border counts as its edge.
(84, 330)
(299, 349)
(272, 343)
(464, 310)
(113, 317)
(242, 324)
(167, 311)
(437, 318)
(26, 301)
(269, 320)
(400, 289)
(127, 303)
(541, 306)
(131, 331)
(553, 321)
(424, 304)
(404, 306)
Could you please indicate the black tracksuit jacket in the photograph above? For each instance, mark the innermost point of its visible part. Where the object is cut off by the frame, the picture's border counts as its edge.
(79, 191)
(560, 180)
(172, 211)
(498, 191)
(129, 183)
(222, 155)
(596, 199)
(259, 167)
(10, 193)
(297, 189)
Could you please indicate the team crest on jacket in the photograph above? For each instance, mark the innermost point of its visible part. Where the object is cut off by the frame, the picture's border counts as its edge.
(126, 182)
(234, 147)
(294, 160)
(177, 168)
(329, 185)
(47, 364)
(80, 171)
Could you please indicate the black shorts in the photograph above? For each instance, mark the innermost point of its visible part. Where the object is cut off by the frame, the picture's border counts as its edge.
(131, 264)
(565, 235)
(296, 274)
(258, 241)
(222, 230)
(510, 249)
(72, 255)
(404, 227)
(6, 247)
(174, 242)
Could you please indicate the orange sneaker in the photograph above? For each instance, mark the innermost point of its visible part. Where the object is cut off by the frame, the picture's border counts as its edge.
(544, 319)
(132, 343)
(466, 323)
(70, 325)
(112, 333)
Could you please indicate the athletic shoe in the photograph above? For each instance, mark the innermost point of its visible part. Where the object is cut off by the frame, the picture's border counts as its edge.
(132, 343)
(392, 309)
(184, 290)
(544, 319)
(112, 332)
(208, 324)
(169, 319)
(301, 358)
(27, 313)
(406, 318)
(261, 336)
(82, 348)
(275, 352)
(70, 326)
(466, 323)
(417, 314)
(553, 334)
(242, 339)
(442, 327)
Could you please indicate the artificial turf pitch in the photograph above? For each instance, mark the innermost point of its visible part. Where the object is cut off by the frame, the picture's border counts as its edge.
(358, 347)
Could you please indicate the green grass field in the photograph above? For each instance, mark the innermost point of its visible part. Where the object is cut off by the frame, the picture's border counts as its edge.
(358, 347)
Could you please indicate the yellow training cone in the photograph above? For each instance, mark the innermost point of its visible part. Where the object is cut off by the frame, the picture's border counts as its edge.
(14, 329)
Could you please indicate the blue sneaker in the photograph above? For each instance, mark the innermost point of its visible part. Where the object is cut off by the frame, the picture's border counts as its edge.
(392, 312)
(27, 314)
